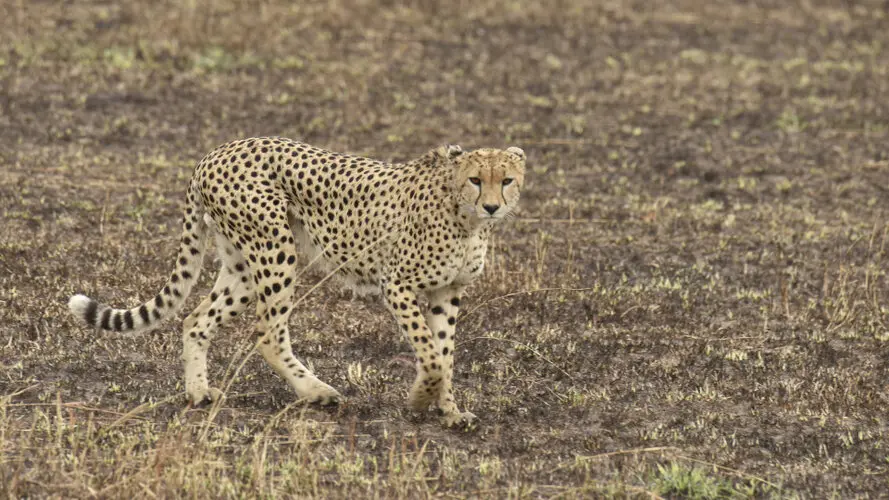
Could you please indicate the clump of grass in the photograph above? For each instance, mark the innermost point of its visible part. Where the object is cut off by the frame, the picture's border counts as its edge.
(676, 480)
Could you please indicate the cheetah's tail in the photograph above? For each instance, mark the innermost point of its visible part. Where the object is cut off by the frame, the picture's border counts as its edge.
(171, 298)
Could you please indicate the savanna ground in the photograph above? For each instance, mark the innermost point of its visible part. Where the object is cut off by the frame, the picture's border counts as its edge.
(692, 301)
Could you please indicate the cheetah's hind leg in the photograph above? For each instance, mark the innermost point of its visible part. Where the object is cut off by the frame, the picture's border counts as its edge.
(231, 294)
(273, 267)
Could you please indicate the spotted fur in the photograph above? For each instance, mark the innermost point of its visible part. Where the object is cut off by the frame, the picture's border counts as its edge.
(417, 228)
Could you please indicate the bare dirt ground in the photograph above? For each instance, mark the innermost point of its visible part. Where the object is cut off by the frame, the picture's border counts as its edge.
(692, 302)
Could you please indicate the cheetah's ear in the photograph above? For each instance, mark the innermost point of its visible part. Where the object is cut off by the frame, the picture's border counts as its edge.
(452, 151)
(449, 152)
(516, 151)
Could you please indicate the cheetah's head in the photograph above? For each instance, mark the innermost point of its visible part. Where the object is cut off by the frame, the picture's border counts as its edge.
(488, 182)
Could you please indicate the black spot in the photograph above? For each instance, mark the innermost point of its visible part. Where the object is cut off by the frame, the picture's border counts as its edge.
(452, 320)
(281, 257)
(445, 351)
(455, 302)
(143, 313)
(437, 310)
(442, 334)
(128, 319)
(90, 314)
(414, 325)
(159, 301)
(186, 275)
(106, 319)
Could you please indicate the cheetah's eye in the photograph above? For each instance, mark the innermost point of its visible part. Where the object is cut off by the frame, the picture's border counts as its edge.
(476, 181)
(507, 181)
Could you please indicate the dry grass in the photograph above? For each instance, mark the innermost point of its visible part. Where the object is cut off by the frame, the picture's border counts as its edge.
(693, 302)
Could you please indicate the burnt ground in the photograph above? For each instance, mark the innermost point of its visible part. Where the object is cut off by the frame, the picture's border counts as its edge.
(692, 301)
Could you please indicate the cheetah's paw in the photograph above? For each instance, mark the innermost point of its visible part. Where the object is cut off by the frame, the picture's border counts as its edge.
(460, 419)
(324, 395)
(205, 397)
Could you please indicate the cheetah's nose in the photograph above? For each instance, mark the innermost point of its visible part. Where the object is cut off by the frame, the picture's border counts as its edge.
(491, 208)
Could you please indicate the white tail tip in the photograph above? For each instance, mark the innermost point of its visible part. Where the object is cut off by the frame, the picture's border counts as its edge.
(78, 305)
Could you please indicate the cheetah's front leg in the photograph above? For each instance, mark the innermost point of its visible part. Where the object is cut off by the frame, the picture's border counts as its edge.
(402, 302)
(444, 305)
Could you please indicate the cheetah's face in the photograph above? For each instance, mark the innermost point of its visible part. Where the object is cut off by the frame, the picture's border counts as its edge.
(489, 181)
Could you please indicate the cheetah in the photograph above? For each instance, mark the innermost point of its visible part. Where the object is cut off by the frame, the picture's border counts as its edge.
(400, 230)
